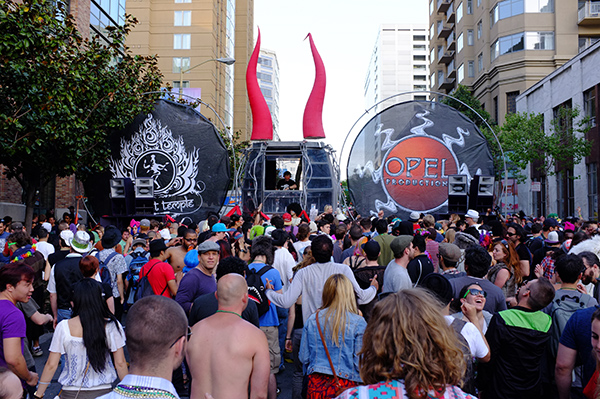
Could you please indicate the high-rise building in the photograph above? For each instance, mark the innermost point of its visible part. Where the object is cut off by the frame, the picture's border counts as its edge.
(500, 48)
(398, 64)
(267, 73)
(189, 36)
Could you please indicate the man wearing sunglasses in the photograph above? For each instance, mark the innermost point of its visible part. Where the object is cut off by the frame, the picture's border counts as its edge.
(157, 334)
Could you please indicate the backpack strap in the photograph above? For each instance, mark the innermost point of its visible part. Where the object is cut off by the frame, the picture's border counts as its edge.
(420, 273)
(263, 270)
(108, 258)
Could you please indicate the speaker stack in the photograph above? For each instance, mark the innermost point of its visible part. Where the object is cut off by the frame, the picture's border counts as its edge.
(457, 194)
(481, 195)
(144, 196)
(122, 197)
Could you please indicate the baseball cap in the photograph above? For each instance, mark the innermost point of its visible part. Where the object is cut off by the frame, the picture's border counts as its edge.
(208, 246)
(399, 244)
(552, 238)
(550, 222)
(371, 248)
(414, 216)
(220, 228)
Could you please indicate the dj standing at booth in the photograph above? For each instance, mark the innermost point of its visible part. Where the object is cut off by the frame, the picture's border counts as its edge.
(287, 183)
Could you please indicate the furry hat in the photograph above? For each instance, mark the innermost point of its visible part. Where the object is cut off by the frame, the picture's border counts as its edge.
(464, 240)
(591, 245)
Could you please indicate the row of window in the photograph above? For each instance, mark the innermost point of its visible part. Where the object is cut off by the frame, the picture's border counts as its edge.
(510, 8)
(522, 41)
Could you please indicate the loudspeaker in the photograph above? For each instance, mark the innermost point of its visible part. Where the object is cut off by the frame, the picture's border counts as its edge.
(122, 197)
(481, 194)
(457, 194)
(144, 188)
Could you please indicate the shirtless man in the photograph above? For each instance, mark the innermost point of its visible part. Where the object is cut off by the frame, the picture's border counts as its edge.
(225, 345)
(175, 255)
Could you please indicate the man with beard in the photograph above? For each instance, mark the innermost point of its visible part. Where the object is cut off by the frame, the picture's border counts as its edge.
(396, 275)
(175, 255)
(591, 272)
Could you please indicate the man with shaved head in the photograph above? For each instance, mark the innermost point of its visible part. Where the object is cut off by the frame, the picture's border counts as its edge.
(226, 354)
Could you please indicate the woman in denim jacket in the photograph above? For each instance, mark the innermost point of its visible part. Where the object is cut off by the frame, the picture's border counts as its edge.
(343, 328)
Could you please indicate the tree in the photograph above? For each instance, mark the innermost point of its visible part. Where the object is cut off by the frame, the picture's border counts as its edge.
(62, 96)
(523, 137)
(238, 152)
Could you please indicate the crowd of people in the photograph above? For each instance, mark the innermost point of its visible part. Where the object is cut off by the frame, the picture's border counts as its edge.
(360, 307)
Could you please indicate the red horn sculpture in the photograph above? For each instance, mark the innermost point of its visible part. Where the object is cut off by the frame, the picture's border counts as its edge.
(262, 125)
(312, 124)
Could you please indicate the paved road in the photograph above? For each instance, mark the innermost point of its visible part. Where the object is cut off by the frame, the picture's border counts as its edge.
(284, 378)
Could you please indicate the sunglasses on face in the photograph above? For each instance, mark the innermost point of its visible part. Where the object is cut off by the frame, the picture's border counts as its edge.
(511, 234)
(475, 292)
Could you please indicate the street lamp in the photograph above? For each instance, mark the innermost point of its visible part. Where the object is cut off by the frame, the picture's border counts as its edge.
(226, 61)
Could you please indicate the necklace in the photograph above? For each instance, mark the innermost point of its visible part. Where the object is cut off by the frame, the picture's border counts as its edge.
(131, 391)
(229, 311)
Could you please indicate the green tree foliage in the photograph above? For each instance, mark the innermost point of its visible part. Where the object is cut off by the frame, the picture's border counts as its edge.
(62, 96)
(523, 137)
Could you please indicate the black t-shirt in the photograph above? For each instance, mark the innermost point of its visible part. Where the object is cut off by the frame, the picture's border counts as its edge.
(207, 305)
(523, 252)
(419, 267)
(58, 255)
(283, 184)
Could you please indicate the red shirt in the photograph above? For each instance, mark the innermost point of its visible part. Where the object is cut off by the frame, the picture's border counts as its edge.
(159, 276)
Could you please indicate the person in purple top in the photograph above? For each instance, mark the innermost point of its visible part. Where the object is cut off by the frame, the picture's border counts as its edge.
(15, 286)
(200, 280)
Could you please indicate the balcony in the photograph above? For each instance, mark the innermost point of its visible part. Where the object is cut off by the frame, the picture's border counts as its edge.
(450, 42)
(589, 14)
(450, 14)
(445, 31)
(442, 5)
(447, 85)
(451, 71)
(447, 57)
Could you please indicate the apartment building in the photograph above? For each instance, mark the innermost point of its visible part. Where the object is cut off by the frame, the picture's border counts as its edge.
(501, 48)
(398, 65)
(267, 73)
(189, 37)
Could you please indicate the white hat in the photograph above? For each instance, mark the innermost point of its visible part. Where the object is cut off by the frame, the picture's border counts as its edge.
(67, 236)
(47, 226)
(414, 216)
(165, 234)
(313, 227)
(473, 214)
(81, 242)
(552, 238)
(269, 230)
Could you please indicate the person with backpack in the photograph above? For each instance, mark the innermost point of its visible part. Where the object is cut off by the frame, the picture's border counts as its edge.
(157, 273)
(135, 260)
(261, 253)
(113, 266)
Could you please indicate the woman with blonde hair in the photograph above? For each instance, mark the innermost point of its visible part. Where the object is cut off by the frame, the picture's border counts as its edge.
(409, 351)
(506, 273)
(331, 340)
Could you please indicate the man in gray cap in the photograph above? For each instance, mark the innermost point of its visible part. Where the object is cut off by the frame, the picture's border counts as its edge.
(396, 275)
(449, 255)
(200, 280)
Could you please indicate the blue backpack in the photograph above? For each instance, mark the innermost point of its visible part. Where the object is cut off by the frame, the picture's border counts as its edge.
(103, 269)
(133, 275)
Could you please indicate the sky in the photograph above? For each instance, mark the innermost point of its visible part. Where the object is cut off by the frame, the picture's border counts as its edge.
(344, 33)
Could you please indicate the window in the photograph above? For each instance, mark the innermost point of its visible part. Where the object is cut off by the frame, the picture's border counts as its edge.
(183, 1)
(432, 80)
(507, 44)
(539, 40)
(440, 77)
(179, 63)
(506, 9)
(478, 3)
(459, 12)
(419, 47)
(420, 67)
(431, 6)
(470, 37)
(183, 18)
(480, 62)
(539, 5)
(182, 41)
(589, 105)
(495, 101)
(420, 87)
(511, 102)
(266, 62)
(184, 84)
(264, 77)
(469, 7)
(459, 43)
(460, 73)
(268, 93)
(422, 78)
(419, 58)
(432, 55)
(592, 183)
(420, 98)
(431, 31)
(478, 30)
(471, 69)
(539, 197)
(418, 38)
